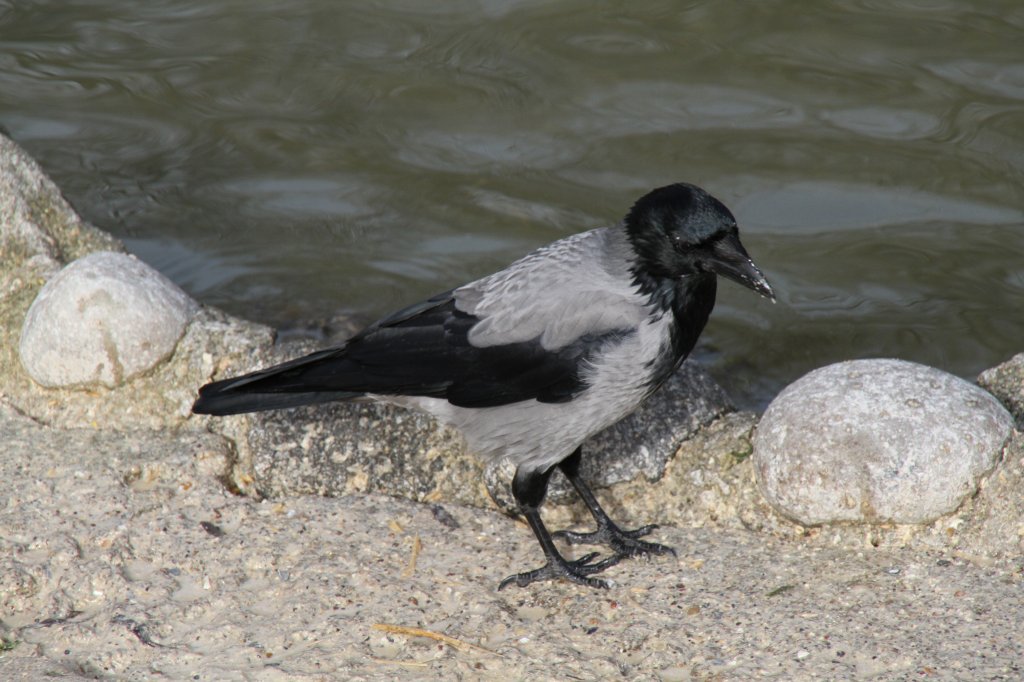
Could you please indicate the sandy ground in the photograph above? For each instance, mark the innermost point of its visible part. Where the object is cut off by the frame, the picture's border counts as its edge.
(124, 558)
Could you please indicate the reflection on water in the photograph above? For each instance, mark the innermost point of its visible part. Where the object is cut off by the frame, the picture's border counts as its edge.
(293, 159)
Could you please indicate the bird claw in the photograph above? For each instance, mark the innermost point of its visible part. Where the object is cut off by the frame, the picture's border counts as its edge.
(625, 543)
(577, 571)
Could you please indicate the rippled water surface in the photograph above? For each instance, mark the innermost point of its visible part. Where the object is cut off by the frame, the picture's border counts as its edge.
(296, 160)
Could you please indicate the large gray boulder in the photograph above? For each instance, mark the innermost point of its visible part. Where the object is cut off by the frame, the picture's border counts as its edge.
(103, 319)
(877, 441)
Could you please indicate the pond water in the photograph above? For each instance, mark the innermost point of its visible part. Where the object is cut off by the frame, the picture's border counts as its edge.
(296, 160)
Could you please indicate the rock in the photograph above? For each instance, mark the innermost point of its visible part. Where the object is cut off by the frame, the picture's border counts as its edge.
(709, 480)
(345, 448)
(1006, 382)
(103, 319)
(877, 441)
(39, 231)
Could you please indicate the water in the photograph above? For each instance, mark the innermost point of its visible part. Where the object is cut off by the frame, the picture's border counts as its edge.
(294, 160)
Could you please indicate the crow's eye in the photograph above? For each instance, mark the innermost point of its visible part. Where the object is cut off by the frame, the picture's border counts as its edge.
(708, 242)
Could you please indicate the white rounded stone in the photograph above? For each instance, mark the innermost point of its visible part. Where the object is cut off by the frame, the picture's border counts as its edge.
(877, 441)
(102, 319)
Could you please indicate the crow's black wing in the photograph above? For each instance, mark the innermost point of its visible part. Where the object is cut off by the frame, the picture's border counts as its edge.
(422, 350)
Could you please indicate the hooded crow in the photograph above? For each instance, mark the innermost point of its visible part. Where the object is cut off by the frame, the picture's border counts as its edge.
(531, 361)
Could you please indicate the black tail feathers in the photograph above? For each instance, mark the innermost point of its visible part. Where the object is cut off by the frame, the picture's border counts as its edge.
(274, 388)
(214, 399)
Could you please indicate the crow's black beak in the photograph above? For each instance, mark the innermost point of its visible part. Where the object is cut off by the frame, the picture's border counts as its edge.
(730, 259)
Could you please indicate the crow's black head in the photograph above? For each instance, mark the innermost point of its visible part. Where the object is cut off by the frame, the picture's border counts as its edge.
(682, 230)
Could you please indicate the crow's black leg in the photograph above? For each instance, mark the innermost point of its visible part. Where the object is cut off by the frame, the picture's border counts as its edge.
(529, 488)
(622, 542)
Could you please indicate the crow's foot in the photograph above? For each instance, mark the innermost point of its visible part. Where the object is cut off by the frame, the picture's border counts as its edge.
(625, 543)
(557, 568)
